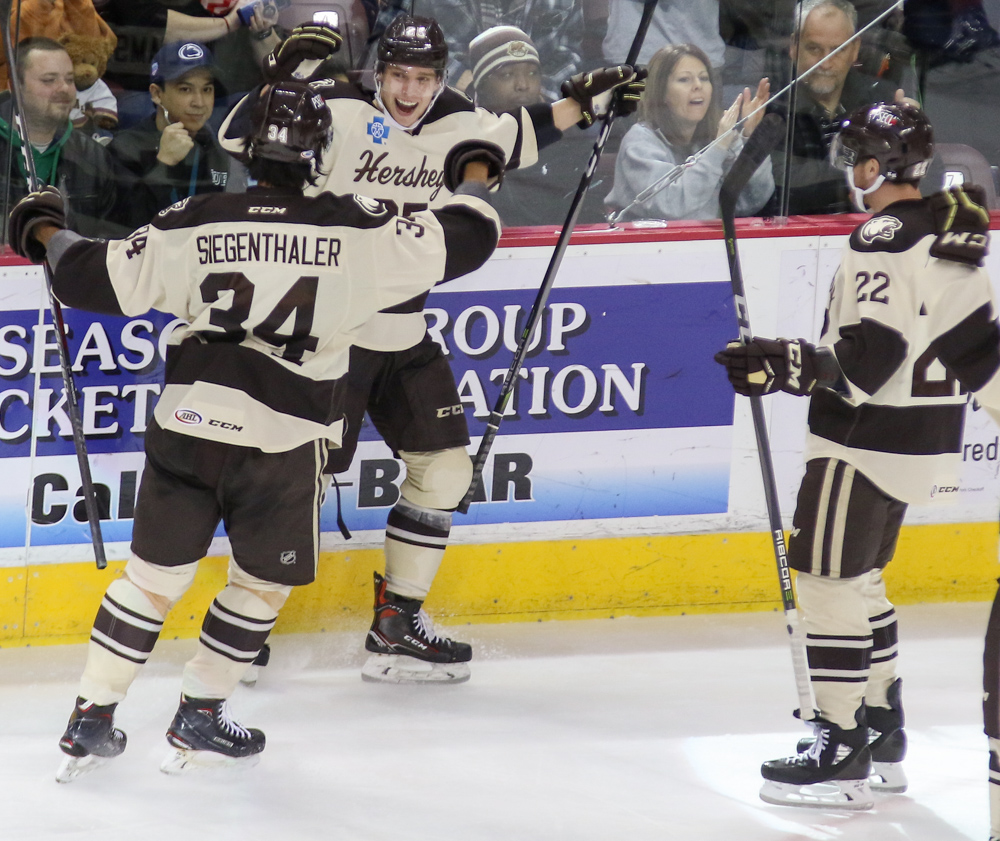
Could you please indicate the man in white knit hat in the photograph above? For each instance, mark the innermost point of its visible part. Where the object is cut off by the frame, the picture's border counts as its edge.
(506, 77)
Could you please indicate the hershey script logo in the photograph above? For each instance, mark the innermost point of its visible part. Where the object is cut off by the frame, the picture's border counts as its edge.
(374, 171)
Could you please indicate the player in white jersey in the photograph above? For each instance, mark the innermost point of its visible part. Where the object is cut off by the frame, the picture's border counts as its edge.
(272, 284)
(910, 327)
(390, 144)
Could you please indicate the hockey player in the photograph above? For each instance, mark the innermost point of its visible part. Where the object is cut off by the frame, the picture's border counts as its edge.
(390, 144)
(271, 283)
(885, 430)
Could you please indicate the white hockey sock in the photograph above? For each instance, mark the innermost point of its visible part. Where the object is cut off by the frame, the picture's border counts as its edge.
(235, 628)
(838, 643)
(885, 640)
(124, 633)
(415, 540)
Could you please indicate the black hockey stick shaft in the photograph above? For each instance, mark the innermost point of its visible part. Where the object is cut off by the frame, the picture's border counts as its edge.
(761, 142)
(69, 386)
(548, 280)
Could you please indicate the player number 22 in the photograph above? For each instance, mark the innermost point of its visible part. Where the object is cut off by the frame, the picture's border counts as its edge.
(880, 282)
(300, 299)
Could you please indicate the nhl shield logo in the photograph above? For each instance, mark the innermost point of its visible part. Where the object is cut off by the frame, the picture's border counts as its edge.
(378, 130)
(287, 558)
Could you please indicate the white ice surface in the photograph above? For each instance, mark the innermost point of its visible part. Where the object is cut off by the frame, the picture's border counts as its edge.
(590, 730)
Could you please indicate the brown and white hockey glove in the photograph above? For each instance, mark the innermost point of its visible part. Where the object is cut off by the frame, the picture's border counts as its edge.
(763, 366)
(962, 224)
(45, 206)
(597, 91)
(470, 151)
(302, 55)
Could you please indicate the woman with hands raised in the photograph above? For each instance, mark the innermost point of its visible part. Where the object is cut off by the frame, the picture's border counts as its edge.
(679, 116)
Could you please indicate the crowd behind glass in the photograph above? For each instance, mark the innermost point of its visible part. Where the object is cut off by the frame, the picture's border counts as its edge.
(146, 84)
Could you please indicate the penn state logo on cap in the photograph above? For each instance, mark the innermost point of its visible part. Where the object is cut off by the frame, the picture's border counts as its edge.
(175, 59)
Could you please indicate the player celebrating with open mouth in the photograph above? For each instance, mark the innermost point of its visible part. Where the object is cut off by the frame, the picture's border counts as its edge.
(390, 144)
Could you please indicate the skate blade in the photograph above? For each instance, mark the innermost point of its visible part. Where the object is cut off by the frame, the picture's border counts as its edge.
(74, 767)
(184, 761)
(888, 777)
(855, 795)
(398, 668)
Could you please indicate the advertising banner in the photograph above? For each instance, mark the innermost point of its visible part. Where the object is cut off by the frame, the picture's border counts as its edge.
(620, 422)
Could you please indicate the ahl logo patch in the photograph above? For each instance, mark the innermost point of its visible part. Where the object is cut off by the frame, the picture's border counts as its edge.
(188, 416)
(287, 558)
(378, 131)
(881, 227)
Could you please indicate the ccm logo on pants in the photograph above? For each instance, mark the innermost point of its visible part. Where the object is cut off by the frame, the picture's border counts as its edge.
(447, 411)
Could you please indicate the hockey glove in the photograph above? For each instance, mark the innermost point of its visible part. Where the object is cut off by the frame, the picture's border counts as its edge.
(962, 223)
(597, 91)
(310, 42)
(763, 366)
(469, 151)
(44, 206)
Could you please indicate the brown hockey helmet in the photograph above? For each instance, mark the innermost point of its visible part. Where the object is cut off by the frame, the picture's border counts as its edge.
(898, 135)
(414, 41)
(290, 123)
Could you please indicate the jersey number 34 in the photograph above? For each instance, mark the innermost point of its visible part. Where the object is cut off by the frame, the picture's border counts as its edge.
(300, 299)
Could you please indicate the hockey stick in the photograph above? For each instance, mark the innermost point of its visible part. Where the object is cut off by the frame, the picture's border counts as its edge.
(538, 308)
(761, 142)
(69, 386)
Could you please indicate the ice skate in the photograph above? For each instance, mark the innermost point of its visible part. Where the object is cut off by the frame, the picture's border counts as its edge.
(252, 674)
(405, 648)
(205, 736)
(90, 740)
(887, 741)
(832, 774)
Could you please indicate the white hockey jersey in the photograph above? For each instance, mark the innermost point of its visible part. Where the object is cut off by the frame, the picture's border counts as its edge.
(913, 334)
(271, 284)
(375, 158)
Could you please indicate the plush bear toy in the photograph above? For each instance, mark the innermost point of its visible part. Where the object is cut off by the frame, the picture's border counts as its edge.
(53, 19)
(96, 107)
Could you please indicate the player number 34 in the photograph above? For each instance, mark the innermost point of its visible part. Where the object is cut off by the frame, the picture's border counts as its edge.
(300, 299)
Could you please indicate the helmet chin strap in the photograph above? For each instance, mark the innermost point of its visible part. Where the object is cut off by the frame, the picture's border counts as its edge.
(857, 194)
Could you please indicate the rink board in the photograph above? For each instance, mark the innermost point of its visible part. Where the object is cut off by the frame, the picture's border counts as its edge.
(624, 480)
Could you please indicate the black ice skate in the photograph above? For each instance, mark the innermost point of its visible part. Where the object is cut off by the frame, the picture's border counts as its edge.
(887, 741)
(832, 773)
(90, 740)
(406, 648)
(205, 735)
(252, 674)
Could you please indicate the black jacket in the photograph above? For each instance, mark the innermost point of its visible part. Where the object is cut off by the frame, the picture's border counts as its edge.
(95, 187)
(136, 149)
(815, 185)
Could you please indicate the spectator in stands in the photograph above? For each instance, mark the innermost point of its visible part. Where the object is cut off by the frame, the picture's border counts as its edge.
(143, 26)
(506, 76)
(676, 22)
(174, 152)
(555, 27)
(63, 156)
(678, 117)
(823, 98)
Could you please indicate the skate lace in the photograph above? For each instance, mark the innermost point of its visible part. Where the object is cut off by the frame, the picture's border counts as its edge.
(815, 750)
(231, 725)
(423, 624)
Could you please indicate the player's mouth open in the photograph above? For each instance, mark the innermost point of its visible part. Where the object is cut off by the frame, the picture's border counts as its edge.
(406, 108)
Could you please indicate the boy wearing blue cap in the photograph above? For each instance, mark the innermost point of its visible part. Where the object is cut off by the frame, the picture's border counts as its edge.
(173, 151)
